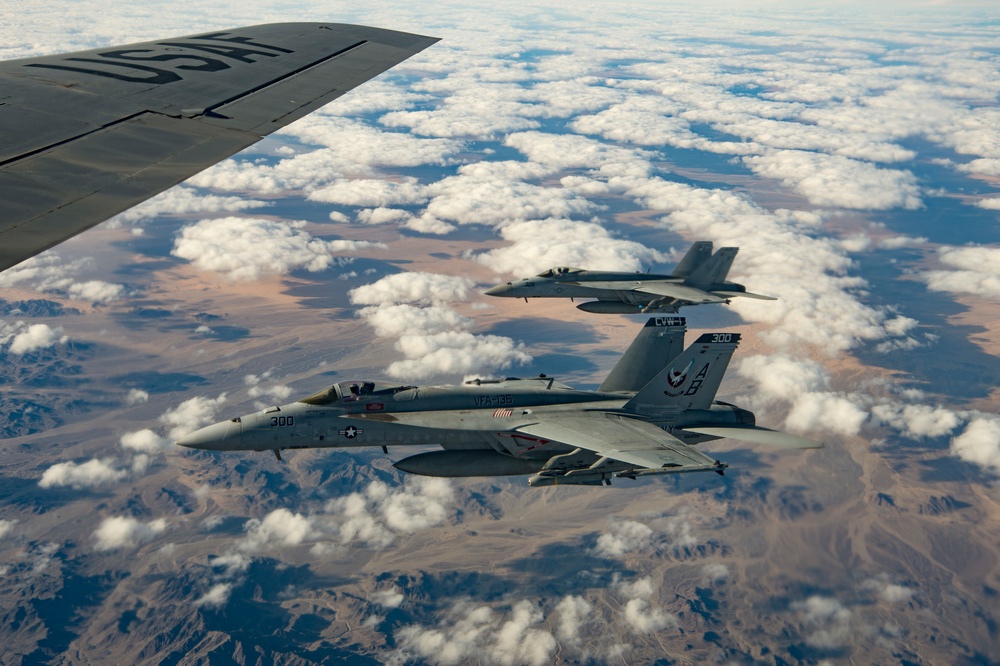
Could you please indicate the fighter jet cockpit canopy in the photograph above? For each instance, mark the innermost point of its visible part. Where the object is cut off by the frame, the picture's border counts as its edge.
(354, 391)
(560, 271)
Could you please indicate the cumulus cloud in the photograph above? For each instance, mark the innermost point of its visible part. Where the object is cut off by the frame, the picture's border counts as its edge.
(6, 527)
(434, 339)
(917, 420)
(454, 352)
(185, 201)
(24, 338)
(496, 194)
(136, 397)
(421, 288)
(91, 474)
(978, 271)
(47, 272)
(348, 149)
(146, 441)
(375, 516)
(828, 617)
(126, 532)
(979, 443)
(216, 596)
(625, 536)
(640, 615)
(540, 244)
(248, 248)
(187, 417)
(258, 389)
(481, 634)
(889, 592)
(371, 192)
(833, 180)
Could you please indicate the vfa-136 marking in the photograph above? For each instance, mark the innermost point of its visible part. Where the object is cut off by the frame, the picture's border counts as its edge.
(558, 434)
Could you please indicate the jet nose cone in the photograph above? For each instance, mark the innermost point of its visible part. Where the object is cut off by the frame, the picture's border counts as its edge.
(217, 437)
(501, 290)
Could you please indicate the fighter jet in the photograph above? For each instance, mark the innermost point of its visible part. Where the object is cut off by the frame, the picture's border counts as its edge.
(699, 278)
(645, 419)
(86, 135)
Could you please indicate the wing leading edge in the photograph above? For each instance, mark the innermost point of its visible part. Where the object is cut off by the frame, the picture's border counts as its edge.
(640, 445)
(87, 135)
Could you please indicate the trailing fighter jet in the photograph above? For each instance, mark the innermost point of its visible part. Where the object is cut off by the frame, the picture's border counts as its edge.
(699, 278)
(86, 135)
(644, 419)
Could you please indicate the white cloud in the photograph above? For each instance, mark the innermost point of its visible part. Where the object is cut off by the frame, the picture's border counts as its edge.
(573, 613)
(978, 271)
(91, 474)
(389, 598)
(146, 441)
(371, 192)
(716, 572)
(257, 389)
(136, 397)
(189, 416)
(216, 596)
(248, 248)
(434, 339)
(454, 352)
(625, 537)
(422, 288)
(383, 216)
(917, 420)
(6, 527)
(479, 633)
(26, 338)
(378, 514)
(495, 194)
(979, 443)
(832, 180)
(185, 201)
(126, 532)
(640, 615)
(830, 619)
(537, 245)
(47, 272)
(280, 528)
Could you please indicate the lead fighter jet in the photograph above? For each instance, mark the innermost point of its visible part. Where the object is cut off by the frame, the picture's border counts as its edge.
(86, 135)
(699, 278)
(644, 419)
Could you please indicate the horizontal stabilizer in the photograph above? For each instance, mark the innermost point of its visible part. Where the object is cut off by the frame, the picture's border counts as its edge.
(744, 294)
(758, 435)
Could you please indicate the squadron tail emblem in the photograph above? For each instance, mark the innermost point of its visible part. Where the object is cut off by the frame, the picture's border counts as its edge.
(676, 379)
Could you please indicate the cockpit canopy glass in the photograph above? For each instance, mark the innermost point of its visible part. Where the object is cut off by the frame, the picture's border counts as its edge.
(560, 270)
(361, 390)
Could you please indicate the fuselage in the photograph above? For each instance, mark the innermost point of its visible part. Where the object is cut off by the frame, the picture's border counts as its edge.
(476, 415)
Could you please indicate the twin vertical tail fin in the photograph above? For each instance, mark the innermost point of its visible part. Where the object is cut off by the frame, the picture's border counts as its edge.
(697, 254)
(692, 379)
(657, 344)
(715, 270)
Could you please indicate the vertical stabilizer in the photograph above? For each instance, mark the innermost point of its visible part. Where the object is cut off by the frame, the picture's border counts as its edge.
(715, 270)
(658, 343)
(692, 379)
(698, 254)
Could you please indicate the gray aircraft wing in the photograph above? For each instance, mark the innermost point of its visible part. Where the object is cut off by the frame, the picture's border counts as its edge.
(627, 440)
(86, 135)
(657, 288)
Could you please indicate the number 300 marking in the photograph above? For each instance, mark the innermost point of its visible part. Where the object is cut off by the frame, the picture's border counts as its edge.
(716, 337)
(278, 421)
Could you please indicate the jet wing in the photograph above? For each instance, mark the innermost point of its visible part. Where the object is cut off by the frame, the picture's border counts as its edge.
(655, 287)
(628, 440)
(86, 135)
(744, 294)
